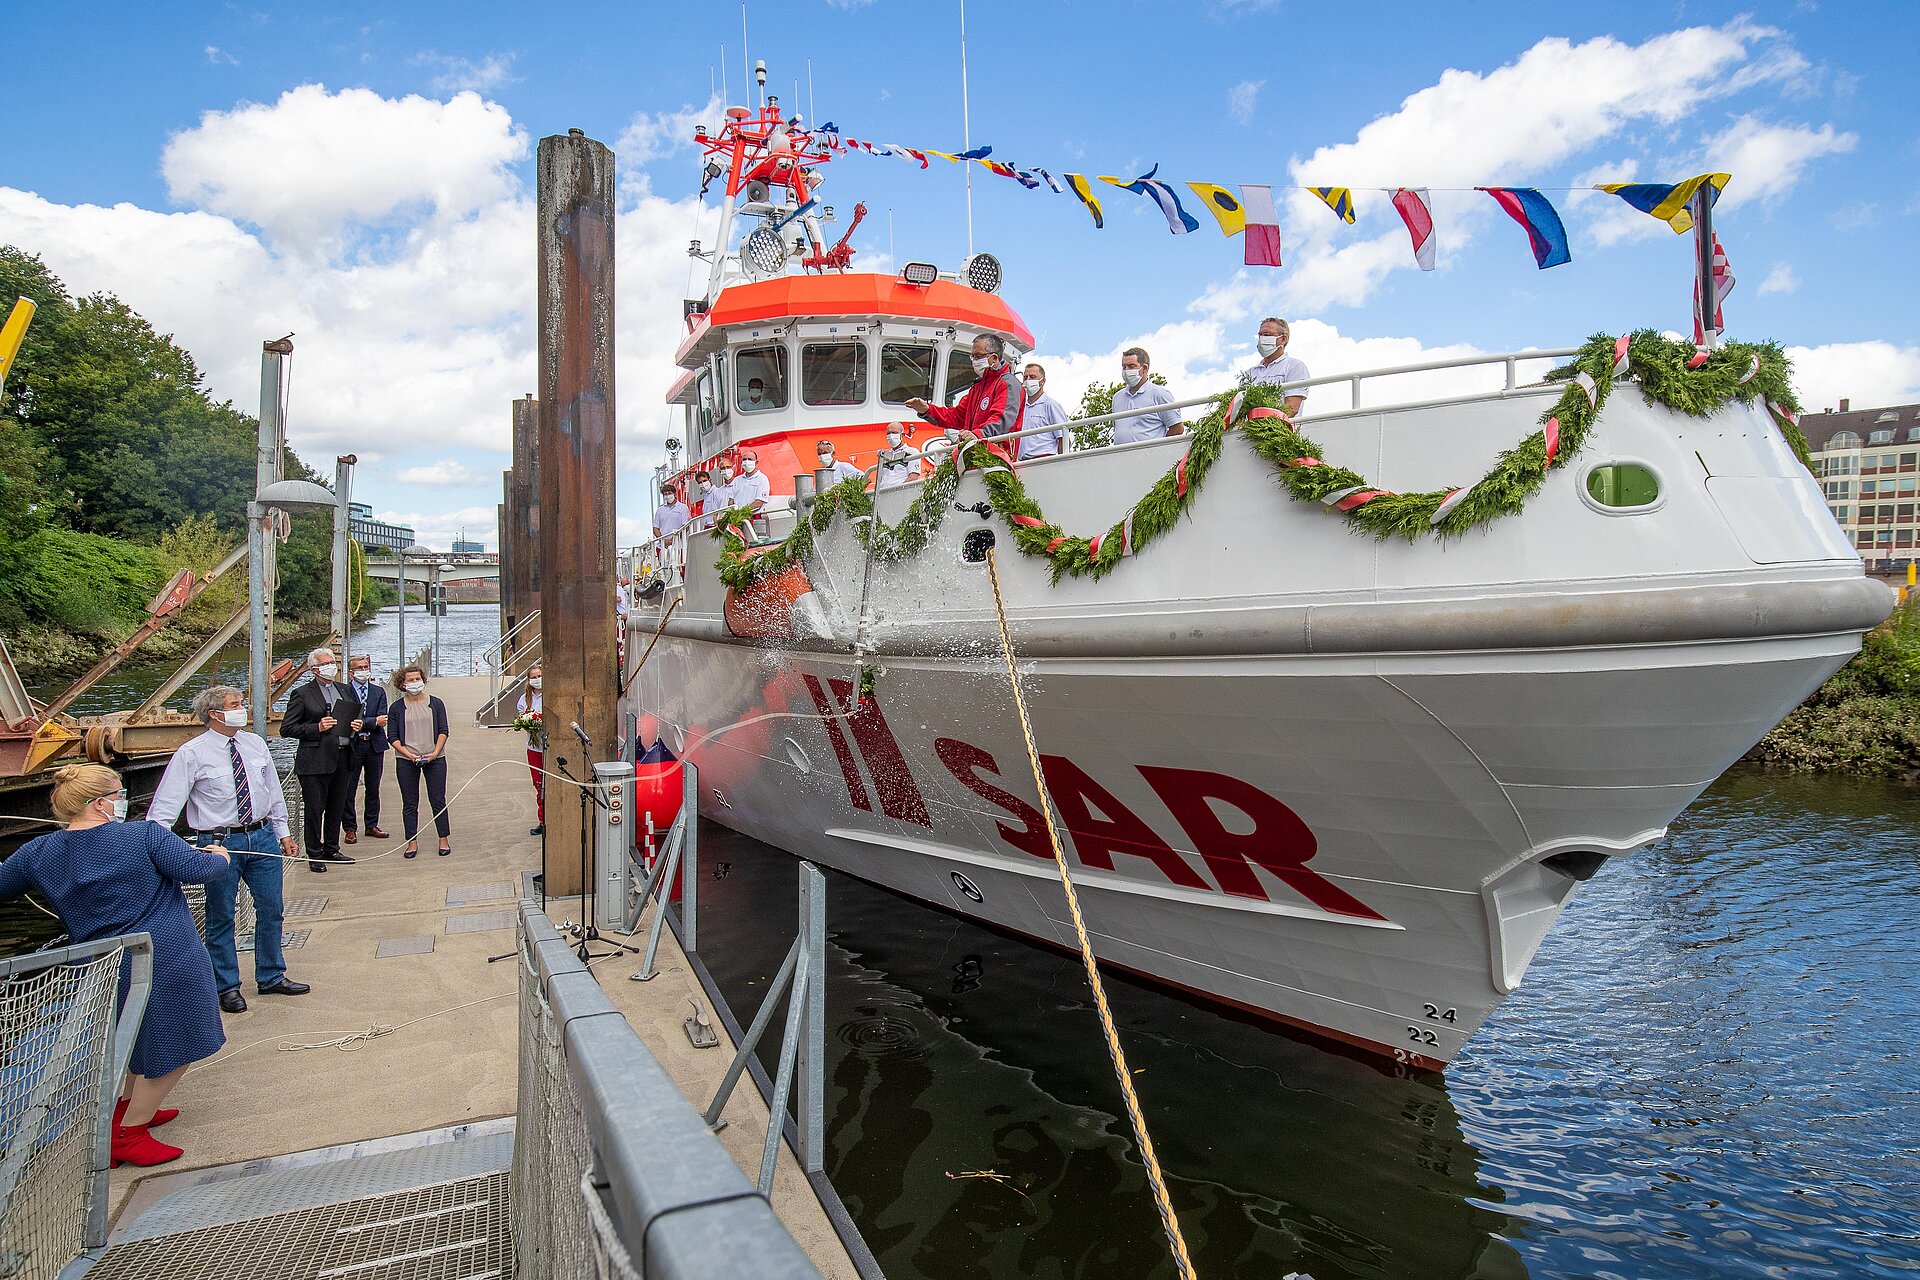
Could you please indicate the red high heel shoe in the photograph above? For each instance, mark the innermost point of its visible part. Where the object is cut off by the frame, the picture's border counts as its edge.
(134, 1145)
(160, 1117)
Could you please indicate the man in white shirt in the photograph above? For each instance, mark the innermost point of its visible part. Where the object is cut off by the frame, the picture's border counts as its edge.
(1142, 392)
(825, 461)
(898, 463)
(1275, 365)
(1042, 411)
(671, 515)
(752, 488)
(718, 495)
(226, 784)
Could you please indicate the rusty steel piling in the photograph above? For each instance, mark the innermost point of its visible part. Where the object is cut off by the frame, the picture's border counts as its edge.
(576, 480)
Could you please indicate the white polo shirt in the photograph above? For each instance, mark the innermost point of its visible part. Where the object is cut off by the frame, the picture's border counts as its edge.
(1044, 412)
(1285, 369)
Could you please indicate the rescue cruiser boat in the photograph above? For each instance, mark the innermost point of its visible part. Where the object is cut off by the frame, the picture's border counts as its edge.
(1346, 783)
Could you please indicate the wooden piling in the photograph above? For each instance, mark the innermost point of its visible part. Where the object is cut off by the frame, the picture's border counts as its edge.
(523, 506)
(576, 484)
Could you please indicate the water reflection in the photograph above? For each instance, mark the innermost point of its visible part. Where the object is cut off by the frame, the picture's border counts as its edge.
(1707, 1073)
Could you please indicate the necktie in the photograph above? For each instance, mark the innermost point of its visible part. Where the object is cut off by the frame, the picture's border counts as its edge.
(242, 797)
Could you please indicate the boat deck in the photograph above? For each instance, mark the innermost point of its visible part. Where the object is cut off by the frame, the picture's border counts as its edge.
(405, 944)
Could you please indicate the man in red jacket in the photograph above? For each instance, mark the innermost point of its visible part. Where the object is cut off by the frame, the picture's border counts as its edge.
(994, 403)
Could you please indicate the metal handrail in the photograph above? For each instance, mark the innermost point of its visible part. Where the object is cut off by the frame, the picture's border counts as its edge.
(14, 1164)
(671, 1191)
(492, 656)
(1510, 359)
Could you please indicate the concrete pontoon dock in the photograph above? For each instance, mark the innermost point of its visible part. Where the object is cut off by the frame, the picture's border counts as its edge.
(312, 1117)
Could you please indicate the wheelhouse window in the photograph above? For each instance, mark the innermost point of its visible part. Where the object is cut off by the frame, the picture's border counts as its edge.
(960, 373)
(906, 372)
(833, 373)
(1622, 484)
(760, 379)
(719, 386)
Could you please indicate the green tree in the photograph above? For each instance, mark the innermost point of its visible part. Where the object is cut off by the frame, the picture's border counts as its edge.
(1097, 402)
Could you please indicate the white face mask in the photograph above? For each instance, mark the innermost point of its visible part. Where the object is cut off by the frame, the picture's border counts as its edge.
(533, 682)
(1033, 386)
(235, 718)
(415, 686)
(826, 459)
(893, 439)
(726, 474)
(747, 465)
(1132, 377)
(981, 364)
(1268, 344)
(362, 674)
(327, 670)
(119, 813)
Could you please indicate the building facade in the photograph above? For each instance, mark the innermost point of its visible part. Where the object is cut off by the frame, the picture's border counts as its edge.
(1869, 464)
(462, 547)
(368, 532)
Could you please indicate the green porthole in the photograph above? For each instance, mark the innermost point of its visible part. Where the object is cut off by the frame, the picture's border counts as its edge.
(1623, 484)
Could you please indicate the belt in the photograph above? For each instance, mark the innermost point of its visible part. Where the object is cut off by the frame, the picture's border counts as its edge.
(248, 829)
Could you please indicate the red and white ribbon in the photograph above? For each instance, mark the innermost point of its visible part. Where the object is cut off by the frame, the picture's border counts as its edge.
(1447, 504)
(1180, 479)
(1303, 462)
(1753, 369)
(1093, 548)
(1264, 412)
(1783, 413)
(1055, 544)
(1620, 347)
(1234, 405)
(1552, 433)
(1699, 357)
(1028, 522)
(1126, 535)
(1585, 382)
(1358, 495)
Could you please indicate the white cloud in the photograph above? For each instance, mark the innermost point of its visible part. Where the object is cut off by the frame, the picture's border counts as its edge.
(1782, 279)
(1513, 124)
(1241, 99)
(445, 472)
(1870, 374)
(216, 56)
(1768, 160)
(438, 529)
(463, 74)
(652, 135)
(306, 167)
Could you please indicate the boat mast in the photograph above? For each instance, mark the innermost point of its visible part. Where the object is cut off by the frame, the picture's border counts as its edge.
(966, 126)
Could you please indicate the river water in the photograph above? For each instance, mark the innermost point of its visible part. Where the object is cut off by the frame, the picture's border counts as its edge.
(1708, 1072)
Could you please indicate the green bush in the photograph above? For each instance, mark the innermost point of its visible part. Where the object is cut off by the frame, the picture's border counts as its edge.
(1866, 718)
(82, 582)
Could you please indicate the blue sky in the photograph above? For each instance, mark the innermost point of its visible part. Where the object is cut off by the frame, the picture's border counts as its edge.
(362, 175)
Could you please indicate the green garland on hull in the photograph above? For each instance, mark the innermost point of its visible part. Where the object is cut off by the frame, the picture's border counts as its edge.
(1739, 371)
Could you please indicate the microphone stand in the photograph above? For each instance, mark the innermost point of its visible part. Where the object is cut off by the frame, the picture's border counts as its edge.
(590, 797)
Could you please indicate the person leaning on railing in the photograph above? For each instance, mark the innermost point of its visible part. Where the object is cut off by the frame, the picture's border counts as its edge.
(105, 876)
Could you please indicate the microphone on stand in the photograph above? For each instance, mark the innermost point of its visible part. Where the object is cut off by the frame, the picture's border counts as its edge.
(581, 734)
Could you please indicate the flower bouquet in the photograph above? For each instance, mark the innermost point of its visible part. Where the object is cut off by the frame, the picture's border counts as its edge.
(530, 724)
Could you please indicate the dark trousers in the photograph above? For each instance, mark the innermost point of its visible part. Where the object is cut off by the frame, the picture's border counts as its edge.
(408, 775)
(325, 797)
(371, 765)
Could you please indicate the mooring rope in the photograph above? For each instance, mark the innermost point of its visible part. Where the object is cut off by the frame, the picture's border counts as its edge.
(1168, 1221)
(677, 600)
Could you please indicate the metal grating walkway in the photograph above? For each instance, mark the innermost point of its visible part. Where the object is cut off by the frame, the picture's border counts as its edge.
(457, 1230)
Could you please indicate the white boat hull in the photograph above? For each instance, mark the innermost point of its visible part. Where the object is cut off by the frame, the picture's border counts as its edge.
(1343, 783)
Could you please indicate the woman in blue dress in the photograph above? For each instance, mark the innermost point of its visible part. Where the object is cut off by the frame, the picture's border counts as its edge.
(105, 876)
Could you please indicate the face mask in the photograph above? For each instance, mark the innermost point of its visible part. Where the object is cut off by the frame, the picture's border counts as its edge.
(119, 809)
(415, 686)
(981, 364)
(1268, 344)
(726, 474)
(361, 674)
(327, 671)
(1131, 377)
(667, 499)
(234, 719)
(893, 439)
(533, 683)
(1033, 386)
(826, 459)
(748, 465)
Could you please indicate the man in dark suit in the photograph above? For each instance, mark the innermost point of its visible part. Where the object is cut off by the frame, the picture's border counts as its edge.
(323, 716)
(369, 752)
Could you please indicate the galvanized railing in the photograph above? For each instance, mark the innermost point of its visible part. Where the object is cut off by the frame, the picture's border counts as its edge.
(62, 1053)
(614, 1174)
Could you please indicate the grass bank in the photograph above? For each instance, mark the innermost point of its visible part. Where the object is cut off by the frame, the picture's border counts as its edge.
(1866, 719)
